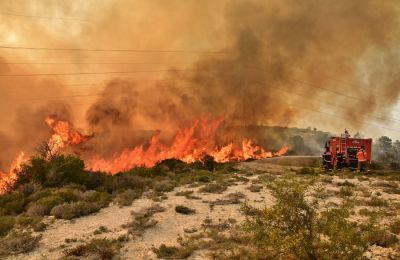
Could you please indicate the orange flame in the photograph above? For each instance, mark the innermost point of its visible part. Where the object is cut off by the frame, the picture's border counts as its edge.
(189, 145)
(8, 179)
(64, 135)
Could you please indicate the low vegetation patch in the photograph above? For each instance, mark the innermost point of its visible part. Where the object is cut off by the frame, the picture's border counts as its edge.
(172, 252)
(18, 242)
(231, 198)
(126, 197)
(213, 188)
(143, 220)
(184, 210)
(255, 188)
(103, 249)
(75, 209)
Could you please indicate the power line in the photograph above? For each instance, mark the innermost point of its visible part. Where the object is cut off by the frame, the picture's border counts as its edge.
(110, 50)
(336, 116)
(42, 17)
(92, 73)
(92, 63)
(314, 85)
(393, 119)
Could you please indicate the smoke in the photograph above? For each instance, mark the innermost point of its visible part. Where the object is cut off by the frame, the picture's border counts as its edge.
(277, 44)
(275, 59)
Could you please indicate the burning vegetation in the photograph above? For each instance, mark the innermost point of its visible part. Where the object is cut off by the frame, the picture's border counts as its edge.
(196, 142)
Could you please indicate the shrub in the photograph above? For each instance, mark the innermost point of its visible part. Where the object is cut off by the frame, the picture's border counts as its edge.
(381, 237)
(100, 230)
(163, 186)
(6, 224)
(75, 209)
(56, 172)
(184, 210)
(306, 171)
(12, 203)
(96, 249)
(44, 205)
(346, 183)
(255, 188)
(345, 192)
(203, 178)
(395, 227)
(166, 252)
(377, 202)
(126, 197)
(143, 220)
(213, 188)
(18, 242)
(39, 227)
(292, 229)
(69, 194)
(184, 193)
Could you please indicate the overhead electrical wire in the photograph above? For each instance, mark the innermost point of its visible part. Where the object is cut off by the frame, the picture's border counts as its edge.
(42, 17)
(92, 63)
(314, 85)
(110, 50)
(92, 73)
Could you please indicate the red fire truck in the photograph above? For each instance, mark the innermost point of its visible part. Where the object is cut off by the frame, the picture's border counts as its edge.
(341, 151)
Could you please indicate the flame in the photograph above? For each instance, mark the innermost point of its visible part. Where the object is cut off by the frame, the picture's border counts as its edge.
(189, 145)
(64, 135)
(8, 179)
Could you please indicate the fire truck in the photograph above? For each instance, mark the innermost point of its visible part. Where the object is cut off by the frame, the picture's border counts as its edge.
(341, 151)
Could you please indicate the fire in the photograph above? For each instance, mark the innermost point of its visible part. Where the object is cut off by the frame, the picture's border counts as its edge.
(190, 144)
(8, 179)
(64, 135)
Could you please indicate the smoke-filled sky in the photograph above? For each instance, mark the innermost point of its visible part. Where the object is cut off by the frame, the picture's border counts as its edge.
(325, 64)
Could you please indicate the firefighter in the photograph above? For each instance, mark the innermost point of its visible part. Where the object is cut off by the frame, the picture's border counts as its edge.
(339, 159)
(327, 159)
(362, 159)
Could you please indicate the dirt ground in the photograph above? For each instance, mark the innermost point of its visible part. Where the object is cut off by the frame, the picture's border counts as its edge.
(64, 234)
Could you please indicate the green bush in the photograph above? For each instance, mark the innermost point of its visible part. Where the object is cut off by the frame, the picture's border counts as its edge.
(126, 197)
(377, 202)
(184, 210)
(381, 237)
(18, 242)
(44, 205)
(68, 194)
(163, 186)
(166, 252)
(12, 203)
(56, 172)
(306, 171)
(292, 229)
(6, 224)
(213, 188)
(395, 227)
(103, 249)
(74, 210)
(345, 192)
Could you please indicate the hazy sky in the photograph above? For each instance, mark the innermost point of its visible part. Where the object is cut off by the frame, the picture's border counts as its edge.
(336, 62)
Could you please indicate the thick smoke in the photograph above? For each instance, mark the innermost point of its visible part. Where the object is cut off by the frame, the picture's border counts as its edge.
(276, 58)
(284, 51)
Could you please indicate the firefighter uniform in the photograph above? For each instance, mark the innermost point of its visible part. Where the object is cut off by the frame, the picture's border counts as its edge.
(362, 159)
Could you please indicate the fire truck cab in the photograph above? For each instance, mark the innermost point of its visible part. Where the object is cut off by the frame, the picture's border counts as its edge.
(341, 151)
